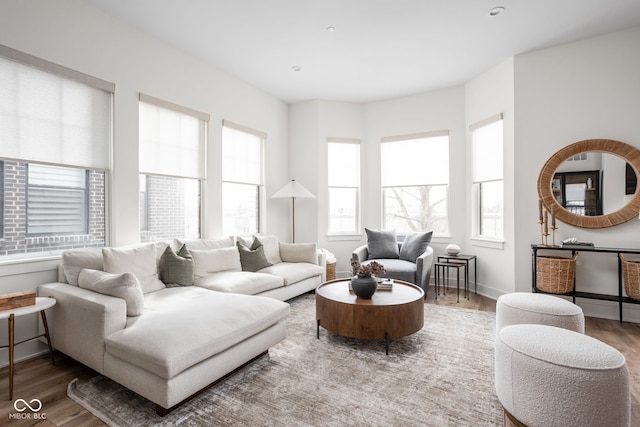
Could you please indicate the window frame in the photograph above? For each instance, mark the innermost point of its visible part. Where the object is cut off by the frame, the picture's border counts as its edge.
(477, 226)
(87, 145)
(357, 188)
(259, 186)
(163, 170)
(438, 182)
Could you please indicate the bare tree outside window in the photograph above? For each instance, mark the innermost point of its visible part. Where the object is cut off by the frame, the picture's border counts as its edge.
(414, 190)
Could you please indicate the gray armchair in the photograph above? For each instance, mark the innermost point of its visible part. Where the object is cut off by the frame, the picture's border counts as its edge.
(418, 272)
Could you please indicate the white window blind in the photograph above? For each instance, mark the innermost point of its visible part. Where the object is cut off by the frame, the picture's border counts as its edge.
(242, 178)
(418, 159)
(487, 177)
(487, 150)
(172, 139)
(51, 114)
(344, 162)
(242, 154)
(343, 178)
(415, 178)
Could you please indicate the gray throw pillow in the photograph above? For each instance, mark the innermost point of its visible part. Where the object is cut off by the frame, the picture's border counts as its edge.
(177, 268)
(253, 258)
(414, 245)
(382, 244)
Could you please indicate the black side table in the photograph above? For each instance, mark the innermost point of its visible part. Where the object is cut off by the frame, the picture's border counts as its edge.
(465, 259)
(445, 266)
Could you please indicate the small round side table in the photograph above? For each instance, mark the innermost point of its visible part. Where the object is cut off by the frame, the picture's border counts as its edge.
(42, 303)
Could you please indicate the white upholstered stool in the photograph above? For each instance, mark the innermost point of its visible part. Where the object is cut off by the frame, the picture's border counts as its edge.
(548, 376)
(541, 309)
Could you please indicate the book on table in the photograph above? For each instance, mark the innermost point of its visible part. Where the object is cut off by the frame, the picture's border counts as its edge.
(384, 284)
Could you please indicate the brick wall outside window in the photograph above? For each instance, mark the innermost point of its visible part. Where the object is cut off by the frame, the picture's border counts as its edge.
(14, 238)
(165, 209)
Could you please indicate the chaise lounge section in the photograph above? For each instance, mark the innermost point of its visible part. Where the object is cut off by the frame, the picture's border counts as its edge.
(167, 342)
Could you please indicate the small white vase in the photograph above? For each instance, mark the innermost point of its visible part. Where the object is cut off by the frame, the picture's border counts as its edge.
(453, 249)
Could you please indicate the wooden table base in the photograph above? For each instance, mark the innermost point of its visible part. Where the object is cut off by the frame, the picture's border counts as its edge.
(386, 316)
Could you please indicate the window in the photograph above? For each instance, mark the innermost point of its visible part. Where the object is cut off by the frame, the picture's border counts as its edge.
(242, 179)
(344, 185)
(488, 194)
(56, 200)
(415, 181)
(172, 167)
(55, 128)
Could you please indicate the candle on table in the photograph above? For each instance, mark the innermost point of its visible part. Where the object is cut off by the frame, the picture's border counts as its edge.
(540, 210)
(546, 222)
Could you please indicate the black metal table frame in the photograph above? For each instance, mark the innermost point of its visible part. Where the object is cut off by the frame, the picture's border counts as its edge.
(465, 258)
(445, 266)
(620, 299)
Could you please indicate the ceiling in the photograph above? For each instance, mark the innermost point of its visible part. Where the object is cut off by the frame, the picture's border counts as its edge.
(379, 49)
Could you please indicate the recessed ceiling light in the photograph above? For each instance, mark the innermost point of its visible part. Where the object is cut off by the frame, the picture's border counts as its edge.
(331, 29)
(496, 11)
(296, 68)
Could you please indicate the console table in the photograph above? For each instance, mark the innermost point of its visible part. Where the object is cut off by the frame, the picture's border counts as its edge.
(620, 298)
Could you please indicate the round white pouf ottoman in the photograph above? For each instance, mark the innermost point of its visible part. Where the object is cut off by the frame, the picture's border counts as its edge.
(540, 309)
(548, 376)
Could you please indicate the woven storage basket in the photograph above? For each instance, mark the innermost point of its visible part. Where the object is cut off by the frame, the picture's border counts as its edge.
(631, 275)
(331, 271)
(555, 275)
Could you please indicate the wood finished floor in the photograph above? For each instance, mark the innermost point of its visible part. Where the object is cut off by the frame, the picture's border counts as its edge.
(37, 378)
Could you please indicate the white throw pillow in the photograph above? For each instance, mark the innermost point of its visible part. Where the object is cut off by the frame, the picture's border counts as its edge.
(204, 244)
(75, 260)
(271, 248)
(214, 260)
(125, 286)
(299, 252)
(139, 260)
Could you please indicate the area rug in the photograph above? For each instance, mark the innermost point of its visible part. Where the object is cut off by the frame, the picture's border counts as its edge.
(440, 376)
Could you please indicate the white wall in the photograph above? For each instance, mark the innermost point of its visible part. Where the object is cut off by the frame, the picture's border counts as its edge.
(485, 96)
(583, 90)
(311, 123)
(76, 35)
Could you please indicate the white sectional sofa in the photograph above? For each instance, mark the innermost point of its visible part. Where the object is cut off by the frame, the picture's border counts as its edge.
(168, 342)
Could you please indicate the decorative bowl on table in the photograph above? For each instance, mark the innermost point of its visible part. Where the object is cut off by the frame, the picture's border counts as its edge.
(453, 249)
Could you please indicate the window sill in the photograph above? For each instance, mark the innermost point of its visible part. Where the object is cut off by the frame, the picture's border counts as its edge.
(441, 239)
(487, 243)
(15, 266)
(343, 237)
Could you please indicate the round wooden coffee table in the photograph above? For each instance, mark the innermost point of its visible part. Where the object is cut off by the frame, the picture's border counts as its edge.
(389, 314)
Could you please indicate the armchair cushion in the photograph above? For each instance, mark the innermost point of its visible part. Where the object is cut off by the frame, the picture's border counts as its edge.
(382, 244)
(398, 269)
(414, 245)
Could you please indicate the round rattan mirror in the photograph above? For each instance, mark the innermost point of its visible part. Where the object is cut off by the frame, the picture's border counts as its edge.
(629, 211)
